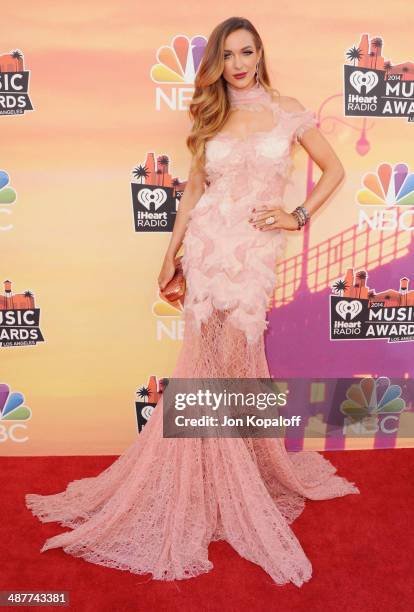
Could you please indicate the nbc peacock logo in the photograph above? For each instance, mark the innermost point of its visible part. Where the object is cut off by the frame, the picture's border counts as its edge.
(14, 84)
(7, 197)
(373, 404)
(386, 198)
(13, 415)
(176, 66)
(169, 319)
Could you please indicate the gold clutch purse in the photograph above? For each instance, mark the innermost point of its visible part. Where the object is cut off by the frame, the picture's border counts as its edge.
(174, 291)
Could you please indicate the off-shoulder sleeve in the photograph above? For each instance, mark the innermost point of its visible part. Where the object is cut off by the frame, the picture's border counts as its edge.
(301, 121)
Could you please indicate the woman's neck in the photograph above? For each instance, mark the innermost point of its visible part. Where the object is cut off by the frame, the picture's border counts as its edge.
(247, 95)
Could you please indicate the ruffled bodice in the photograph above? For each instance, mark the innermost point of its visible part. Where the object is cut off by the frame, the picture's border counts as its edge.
(228, 263)
(259, 163)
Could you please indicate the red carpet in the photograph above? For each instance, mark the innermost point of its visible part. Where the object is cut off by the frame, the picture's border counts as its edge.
(360, 546)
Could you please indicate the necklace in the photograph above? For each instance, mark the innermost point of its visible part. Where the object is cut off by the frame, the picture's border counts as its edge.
(253, 95)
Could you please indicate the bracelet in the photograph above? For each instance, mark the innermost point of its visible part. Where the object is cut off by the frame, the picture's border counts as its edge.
(302, 216)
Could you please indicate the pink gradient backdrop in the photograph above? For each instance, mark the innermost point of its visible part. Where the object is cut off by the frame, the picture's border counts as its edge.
(70, 160)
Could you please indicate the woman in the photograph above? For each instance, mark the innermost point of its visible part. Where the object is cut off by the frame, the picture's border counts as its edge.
(161, 503)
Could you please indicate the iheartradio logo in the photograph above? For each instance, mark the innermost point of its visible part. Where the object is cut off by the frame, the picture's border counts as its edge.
(376, 85)
(343, 308)
(156, 197)
(359, 312)
(360, 79)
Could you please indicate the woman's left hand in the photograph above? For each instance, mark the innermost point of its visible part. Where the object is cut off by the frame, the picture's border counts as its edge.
(282, 219)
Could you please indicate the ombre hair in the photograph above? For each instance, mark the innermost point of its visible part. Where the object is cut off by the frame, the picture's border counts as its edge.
(210, 106)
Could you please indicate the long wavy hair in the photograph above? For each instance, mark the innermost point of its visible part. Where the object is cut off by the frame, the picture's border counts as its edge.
(210, 106)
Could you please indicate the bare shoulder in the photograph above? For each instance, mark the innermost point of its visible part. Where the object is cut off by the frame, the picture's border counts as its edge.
(290, 104)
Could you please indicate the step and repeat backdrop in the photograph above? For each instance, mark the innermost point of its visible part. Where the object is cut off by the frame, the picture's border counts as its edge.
(93, 164)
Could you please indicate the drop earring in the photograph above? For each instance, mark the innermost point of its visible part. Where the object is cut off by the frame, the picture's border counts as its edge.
(256, 74)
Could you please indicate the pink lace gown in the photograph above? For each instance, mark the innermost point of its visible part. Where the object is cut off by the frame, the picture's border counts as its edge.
(159, 505)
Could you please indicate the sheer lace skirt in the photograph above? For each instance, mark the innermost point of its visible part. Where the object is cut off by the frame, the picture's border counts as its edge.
(159, 505)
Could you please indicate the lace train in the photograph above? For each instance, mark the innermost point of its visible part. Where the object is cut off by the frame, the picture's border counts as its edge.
(159, 505)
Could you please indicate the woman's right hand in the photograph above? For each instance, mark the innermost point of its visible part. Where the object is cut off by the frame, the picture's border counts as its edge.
(167, 272)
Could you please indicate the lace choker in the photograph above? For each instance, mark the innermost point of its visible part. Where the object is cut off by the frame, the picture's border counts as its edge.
(253, 95)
